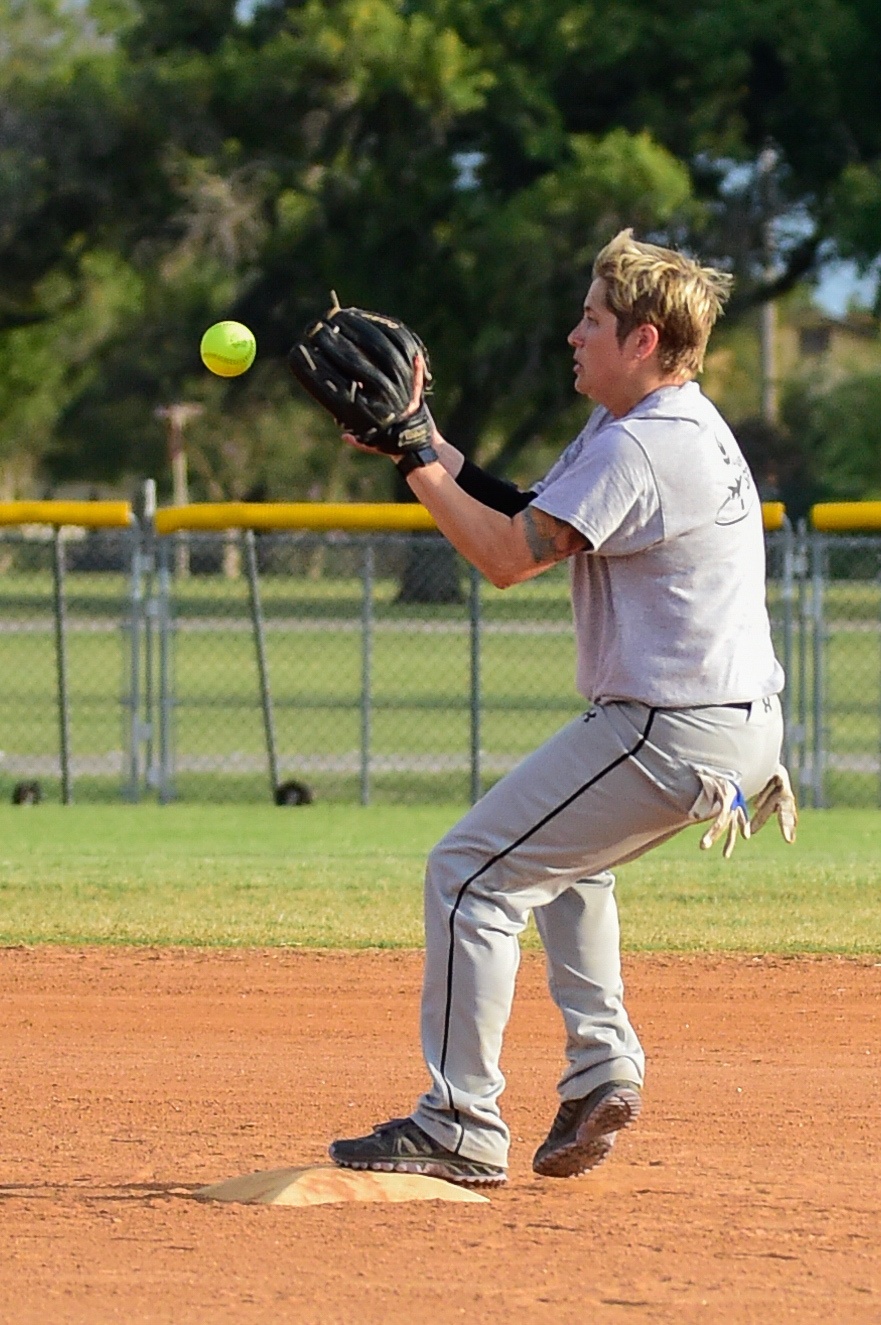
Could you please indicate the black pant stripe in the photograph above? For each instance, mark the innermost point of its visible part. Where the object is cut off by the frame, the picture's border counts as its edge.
(500, 855)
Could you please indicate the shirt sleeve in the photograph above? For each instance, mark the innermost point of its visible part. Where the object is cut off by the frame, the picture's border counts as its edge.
(607, 491)
(569, 456)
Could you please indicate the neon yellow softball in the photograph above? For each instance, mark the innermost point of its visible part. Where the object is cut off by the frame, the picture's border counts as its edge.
(228, 349)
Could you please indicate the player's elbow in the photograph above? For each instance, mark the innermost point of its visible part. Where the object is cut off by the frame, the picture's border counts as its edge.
(505, 561)
(500, 578)
(507, 575)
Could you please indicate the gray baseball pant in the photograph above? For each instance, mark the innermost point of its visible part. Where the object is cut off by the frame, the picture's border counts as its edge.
(609, 786)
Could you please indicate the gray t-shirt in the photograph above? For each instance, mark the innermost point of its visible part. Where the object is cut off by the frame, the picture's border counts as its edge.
(669, 603)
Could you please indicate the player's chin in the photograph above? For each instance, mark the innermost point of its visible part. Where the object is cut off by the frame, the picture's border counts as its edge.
(580, 382)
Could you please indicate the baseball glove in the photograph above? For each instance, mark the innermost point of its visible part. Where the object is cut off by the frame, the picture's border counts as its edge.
(360, 367)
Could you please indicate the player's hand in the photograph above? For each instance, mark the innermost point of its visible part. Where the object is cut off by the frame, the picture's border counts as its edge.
(416, 400)
(776, 797)
(731, 818)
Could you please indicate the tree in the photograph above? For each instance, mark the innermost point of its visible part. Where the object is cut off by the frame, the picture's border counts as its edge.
(319, 150)
(839, 434)
(714, 85)
(455, 161)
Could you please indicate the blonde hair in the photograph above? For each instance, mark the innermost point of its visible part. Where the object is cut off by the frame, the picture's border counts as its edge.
(658, 286)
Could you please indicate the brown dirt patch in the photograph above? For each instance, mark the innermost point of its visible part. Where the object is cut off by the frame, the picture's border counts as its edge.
(748, 1191)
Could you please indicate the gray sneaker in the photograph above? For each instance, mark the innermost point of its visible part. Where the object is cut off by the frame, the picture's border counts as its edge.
(401, 1146)
(583, 1131)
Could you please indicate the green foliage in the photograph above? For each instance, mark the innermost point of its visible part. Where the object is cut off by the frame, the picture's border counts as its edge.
(199, 24)
(857, 202)
(839, 431)
(456, 161)
(51, 359)
(517, 276)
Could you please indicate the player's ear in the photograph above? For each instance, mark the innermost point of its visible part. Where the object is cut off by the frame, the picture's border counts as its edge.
(646, 340)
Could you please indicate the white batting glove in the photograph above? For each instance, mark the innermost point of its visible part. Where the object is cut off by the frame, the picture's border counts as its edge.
(731, 818)
(776, 797)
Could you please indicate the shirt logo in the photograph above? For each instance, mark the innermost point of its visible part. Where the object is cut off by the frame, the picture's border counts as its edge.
(740, 487)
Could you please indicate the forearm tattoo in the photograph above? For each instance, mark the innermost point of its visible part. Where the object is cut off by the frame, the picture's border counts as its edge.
(550, 539)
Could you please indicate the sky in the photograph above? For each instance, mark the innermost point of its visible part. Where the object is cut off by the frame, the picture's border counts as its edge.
(840, 285)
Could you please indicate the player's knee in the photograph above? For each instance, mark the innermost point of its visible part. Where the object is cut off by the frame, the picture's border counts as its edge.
(449, 865)
(438, 856)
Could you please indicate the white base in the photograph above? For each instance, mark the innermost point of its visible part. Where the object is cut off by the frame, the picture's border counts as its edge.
(326, 1184)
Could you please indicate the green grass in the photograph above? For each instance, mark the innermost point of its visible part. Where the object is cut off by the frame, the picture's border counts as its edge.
(338, 876)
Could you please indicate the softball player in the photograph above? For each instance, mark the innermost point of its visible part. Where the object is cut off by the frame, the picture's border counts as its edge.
(655, 509)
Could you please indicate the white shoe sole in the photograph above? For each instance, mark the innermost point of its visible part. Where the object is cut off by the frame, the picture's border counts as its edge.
(425, 1168)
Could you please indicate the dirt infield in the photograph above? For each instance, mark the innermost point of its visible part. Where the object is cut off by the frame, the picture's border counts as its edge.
(748, 1191)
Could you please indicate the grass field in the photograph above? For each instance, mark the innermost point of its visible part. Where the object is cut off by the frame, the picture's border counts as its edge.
(336, 876)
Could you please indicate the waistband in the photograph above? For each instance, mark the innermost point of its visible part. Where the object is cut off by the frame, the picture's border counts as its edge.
(745, 705)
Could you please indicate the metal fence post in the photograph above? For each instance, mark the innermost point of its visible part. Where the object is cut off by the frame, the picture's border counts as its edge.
(367, 576)
(262, 664)
(61, 663)
(131, 791)
(818, 567)
(879, 578)
(476, 693)
(787, 595)
(166, 700)
(801, 731)
(150, 612)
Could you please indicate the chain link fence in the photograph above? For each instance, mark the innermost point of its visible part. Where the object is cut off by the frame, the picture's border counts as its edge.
(66, 704)
(359, 667)
(838, 719)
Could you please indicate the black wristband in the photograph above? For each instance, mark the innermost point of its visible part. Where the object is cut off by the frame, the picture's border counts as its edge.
(497, 493)
(416, 458)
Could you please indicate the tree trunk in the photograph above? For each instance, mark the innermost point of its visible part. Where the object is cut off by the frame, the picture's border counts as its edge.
(431, 572)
